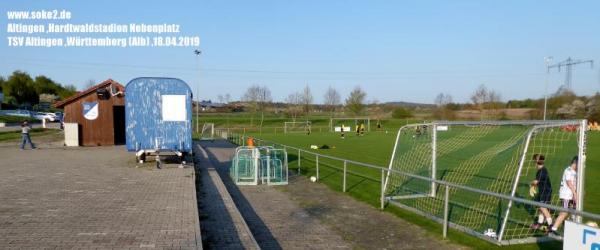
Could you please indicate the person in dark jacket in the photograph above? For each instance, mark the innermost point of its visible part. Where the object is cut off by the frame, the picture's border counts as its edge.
(544, 191)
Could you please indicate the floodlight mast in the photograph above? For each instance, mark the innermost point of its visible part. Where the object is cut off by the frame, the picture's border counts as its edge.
(197, 52)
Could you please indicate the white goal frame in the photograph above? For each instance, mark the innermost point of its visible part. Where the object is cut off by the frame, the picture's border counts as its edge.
(356, 120)
(535, 126)
(207, 132)
(307, 127)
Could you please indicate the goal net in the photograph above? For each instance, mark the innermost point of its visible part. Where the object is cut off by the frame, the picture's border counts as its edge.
(296, 127)
(349, 124)
(493, 156)
(208, 131)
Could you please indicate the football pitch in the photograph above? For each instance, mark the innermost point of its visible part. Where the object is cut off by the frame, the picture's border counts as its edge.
(377, 147)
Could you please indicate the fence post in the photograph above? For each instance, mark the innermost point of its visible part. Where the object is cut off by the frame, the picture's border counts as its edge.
(382, 198)
(317, 164)
(445, 225)
(344, 184)
(298, 161)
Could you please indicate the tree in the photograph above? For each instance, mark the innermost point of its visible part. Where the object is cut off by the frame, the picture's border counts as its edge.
(45, 85)
(593, 108)
(293, 101)
(480, 97)
(67, 91)
(306, 99)
(401, 113)
(331, 100)
(258, 97)
(2, 82)
(355, 101)
(443, 109)
(20, 86)
(441, 100)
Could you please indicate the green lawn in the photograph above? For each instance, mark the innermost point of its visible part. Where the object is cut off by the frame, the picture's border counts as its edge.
(15, 119)
(376, 148)
(15, 135)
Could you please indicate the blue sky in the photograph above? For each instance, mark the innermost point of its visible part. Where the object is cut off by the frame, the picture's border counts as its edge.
(395, 50)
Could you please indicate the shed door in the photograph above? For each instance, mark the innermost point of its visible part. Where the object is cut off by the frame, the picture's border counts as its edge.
(119, 124)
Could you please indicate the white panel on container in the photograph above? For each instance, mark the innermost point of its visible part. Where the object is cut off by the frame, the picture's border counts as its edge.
(174, 108)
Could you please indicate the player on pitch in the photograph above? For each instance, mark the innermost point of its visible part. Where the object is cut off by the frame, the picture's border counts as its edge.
(544, 191)
(567, 194)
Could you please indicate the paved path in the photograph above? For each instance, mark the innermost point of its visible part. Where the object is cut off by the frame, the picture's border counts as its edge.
(223, 227)
(306, 215)
(276, 221)
(94, 198)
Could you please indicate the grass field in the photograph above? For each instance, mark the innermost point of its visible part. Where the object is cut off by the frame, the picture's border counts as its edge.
(376, 148)
(15, 135)
(15, 119)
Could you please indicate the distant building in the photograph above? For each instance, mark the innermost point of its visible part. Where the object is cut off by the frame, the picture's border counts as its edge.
(209, 106)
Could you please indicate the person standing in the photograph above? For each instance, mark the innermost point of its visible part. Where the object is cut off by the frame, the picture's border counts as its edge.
(25, 128)
(567, 194)
(544, 188)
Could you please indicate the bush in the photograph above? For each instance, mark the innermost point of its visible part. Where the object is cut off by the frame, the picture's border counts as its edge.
(401, 113)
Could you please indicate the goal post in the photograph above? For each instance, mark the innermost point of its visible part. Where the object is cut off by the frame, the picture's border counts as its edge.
(335, 123)
(208, 131)
(297, 127)
(494, 156)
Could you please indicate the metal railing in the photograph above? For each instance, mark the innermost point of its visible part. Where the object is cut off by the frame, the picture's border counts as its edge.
(240, 139)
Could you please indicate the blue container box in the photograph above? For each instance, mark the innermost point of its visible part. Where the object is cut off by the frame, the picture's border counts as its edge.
(158, 115)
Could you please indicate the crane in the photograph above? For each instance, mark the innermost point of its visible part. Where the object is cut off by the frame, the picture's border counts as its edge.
(568, 64)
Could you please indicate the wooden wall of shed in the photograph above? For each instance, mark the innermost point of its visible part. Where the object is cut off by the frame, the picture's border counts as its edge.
(94, 132)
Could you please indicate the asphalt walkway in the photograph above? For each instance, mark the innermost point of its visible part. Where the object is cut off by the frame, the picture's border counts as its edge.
(306, 215)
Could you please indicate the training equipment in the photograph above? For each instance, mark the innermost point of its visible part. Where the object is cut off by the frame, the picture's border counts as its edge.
(496, 156)
(208, 132)
(158, 117)
(349, 124)
(490, 233)
(266, 164)
(296, 127)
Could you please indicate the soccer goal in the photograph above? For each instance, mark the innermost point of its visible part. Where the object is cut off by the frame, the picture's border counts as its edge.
(336, 124)
(495, 156)
(253, 165)
(208, 131)
(297, 127)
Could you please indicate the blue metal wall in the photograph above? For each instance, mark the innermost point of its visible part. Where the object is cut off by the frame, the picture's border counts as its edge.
(144, 122)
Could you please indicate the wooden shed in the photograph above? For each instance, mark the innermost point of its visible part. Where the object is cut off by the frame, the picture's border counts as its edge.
(99, 113)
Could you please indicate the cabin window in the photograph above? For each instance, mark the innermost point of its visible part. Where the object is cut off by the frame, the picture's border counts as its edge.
(174, 108)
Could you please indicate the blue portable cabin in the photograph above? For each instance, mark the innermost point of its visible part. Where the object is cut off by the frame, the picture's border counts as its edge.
(158, 117)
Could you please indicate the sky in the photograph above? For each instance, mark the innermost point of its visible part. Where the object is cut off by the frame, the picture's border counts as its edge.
(395, 50)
